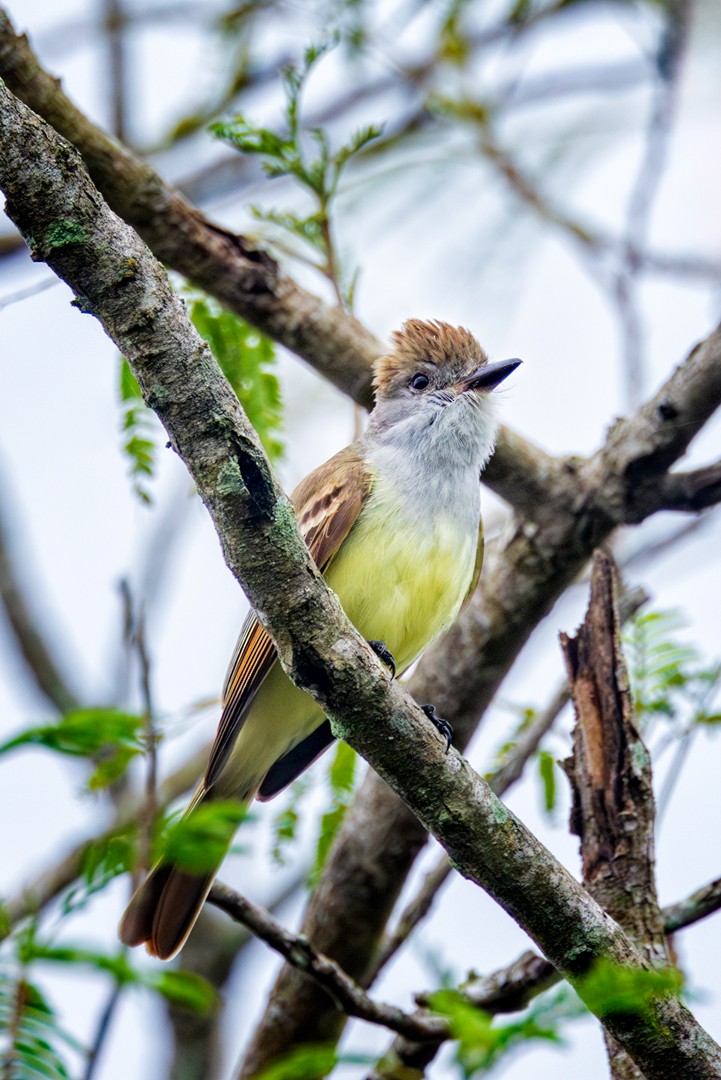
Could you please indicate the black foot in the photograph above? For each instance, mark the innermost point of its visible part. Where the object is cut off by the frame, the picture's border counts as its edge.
(383, 653)
(439, 723)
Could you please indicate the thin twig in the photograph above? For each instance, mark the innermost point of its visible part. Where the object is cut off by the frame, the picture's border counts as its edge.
(103, 1030)
(299, 952)
(26, 623)
(114, 20)
(645, 190)
(31, 290)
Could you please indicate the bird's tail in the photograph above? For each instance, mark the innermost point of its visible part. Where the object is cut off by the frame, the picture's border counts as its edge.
(164, 908)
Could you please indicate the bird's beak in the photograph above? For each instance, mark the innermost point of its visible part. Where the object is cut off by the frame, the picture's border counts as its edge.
(489, 376)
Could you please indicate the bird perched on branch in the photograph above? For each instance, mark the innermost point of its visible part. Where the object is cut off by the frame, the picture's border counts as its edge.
(394, 524)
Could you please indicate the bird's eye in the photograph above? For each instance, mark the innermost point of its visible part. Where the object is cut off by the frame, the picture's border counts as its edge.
(419, 381)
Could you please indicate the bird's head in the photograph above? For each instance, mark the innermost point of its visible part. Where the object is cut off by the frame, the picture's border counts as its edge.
(436, 386)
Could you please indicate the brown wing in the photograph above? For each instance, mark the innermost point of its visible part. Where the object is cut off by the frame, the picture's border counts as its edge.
(327, 504)
(477, 567)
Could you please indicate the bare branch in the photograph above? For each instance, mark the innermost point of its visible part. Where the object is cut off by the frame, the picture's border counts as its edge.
(298, 951)
(42, 664)
(692, 491)
(705, 901)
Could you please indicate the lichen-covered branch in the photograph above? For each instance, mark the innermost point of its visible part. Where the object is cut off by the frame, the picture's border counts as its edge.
(53, 202)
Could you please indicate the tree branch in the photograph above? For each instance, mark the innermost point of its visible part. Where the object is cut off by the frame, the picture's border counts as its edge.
(53, 202)
(613, 809)
(692, 491)
(42, 664)
(298, 951)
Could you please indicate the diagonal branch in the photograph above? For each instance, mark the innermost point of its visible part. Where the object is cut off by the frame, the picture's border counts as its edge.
(52, 200)
(43, 665)
(298, 951)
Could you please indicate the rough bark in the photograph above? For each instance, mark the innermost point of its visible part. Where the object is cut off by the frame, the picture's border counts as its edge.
(66, 223)
(613, 810)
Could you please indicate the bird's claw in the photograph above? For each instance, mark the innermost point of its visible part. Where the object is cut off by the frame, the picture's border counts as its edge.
(385, 655)
(439, 724)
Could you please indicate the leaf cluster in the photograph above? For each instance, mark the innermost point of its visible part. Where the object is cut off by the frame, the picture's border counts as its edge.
(248, 361)
(109, 737)
(32, 1043)
(482, 1041)
(669, 679)
(303, 154)
(199, 840)
(139, 428)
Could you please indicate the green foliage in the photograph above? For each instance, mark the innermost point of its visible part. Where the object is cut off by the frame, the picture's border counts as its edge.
(199, 840)
(138, 427)
(102, 860)
(247, 359)
(526, 716)
(110, 737)
(31, 1040)
(184, 988)
(481, 1040)
(304, 155)
(612, 988)
(669, 679)
(303, 1063)
(341, 777)
(547, 774)
(285, 824)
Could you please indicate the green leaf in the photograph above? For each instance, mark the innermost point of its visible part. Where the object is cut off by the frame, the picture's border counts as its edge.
(303, 1063)
(547, 773)
(308, 228)
(668, 677)
(199, 841)
(111, 736)
(613, 988)
(184, 988)
(285, 824)
(248, 361)
(139, 427)
(341, 776)
(129, 386)
(29, 1032)
(481, 1039)
(101, 861)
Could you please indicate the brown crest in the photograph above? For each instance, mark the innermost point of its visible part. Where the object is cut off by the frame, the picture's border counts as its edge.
(433, 342)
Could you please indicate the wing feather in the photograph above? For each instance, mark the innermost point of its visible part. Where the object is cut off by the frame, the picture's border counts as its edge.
(327, 504)
(477, 567)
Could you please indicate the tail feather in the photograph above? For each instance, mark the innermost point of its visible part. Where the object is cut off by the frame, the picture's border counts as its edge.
(164, 910)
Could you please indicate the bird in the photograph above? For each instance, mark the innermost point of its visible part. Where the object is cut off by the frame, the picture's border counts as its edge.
(393, 522)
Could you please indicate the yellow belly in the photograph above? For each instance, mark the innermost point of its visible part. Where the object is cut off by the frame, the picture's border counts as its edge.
(397, 586)
(401, 587)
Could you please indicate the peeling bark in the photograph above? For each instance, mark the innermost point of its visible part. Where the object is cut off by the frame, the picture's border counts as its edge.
(613, 809)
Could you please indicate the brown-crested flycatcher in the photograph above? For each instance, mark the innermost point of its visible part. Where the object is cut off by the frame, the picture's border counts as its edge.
(394, 523)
